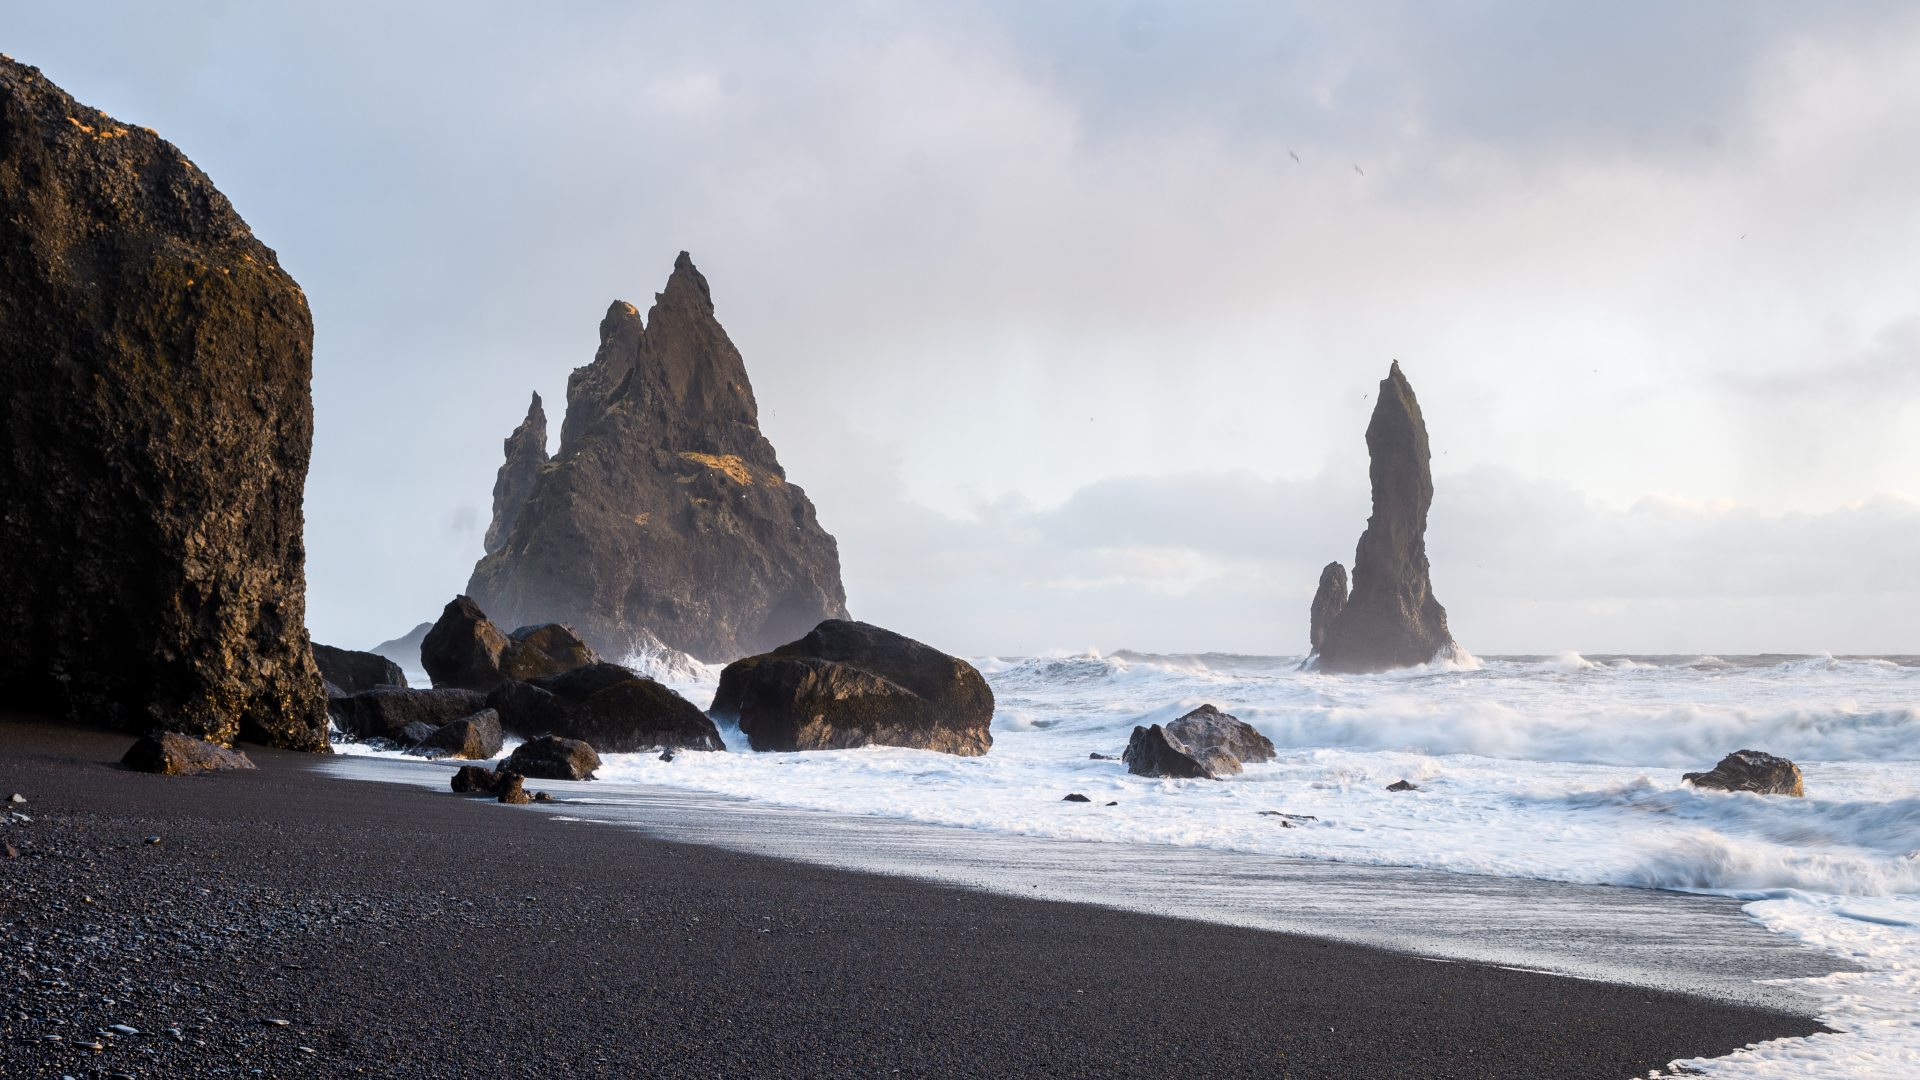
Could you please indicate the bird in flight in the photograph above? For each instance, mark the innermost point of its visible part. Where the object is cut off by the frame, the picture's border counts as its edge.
(1360, 170)
(1294, 156)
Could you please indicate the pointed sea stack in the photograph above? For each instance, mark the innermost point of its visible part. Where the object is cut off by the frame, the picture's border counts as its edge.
(155, 371)
(665, 518)
(1328, 601)
(526, 455)
(1392, 619)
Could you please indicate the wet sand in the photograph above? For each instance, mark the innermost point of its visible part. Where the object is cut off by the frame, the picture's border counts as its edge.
(402, 931)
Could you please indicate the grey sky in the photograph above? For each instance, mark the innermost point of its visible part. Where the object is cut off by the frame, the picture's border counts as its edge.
(1067, 348)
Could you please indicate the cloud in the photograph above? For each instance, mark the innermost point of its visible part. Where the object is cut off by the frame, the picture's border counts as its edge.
(1056, 257)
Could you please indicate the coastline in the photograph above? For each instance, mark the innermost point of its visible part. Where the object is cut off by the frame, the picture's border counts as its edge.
(402, 931)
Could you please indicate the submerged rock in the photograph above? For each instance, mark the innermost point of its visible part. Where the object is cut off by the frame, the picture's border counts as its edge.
(552, 758)
(1207, 728)
(607, 705)
(466, 650)
(155, 365)
(173, 754)
(1075, 796)
(1751, 770)
(1391, 620)
(665, 517)
(848, 684)
(385, 711)
(526, 455)
(349, 672)
(1403, 785)
(1153, 752)
(476, 737)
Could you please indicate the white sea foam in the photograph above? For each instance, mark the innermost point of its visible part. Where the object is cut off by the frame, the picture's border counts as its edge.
(1564, 768)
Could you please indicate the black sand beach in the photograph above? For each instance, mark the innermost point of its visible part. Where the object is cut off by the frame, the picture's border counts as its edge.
(402, 932)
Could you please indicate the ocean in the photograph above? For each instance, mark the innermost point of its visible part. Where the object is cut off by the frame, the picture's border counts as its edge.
(1562, 769)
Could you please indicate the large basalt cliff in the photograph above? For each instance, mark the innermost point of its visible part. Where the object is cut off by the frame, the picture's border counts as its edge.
(1391, 619)
(664, 518)
(155, 363)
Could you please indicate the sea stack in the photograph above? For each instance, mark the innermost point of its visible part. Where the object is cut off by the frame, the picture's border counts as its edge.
(155, 371)
(664, 519)
(526, 455)
(1392, 619)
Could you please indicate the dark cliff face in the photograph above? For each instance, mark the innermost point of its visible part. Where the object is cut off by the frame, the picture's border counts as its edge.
(155, 363)
(1392, 619)
(665, 516)
(526, 452)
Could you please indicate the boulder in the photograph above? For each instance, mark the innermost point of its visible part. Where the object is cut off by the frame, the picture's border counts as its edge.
(552, 758)
(1392, 619)
(1074, 796)
(526, 455)
(1328, 601)
(1152, 752)
(1403, 785)
(607, 705)
(1207, 728)
(384, 712)
(539, 652)
(665, 518)
(510, 789)
(466, 650)
(849, 684)
(476, 737)
(463, 649)
(1751, 770)
(155, 424)
(349, 672)
(415, 733)
(172, 754)
(476, 780)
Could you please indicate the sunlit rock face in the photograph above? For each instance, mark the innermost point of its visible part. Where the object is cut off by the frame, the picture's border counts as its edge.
(664, 518)
(1392, 619)
(155, 371)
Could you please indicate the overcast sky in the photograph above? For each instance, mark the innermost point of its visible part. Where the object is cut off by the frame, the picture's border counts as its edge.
(1068, 348)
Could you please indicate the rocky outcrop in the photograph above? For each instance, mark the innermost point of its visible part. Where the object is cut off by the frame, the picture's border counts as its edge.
(552, 758)
(385, 712)
(466, 650)
(526, 455)
(1207, 728)
(1328, 601)
(664, 518)
(1751, 770)
(1153, 752)
(607, 705)
(155, 424)
(1204, 744)
(173, 754)
(475, 737)
(1392, 619)
(348, 672)
(849, 684)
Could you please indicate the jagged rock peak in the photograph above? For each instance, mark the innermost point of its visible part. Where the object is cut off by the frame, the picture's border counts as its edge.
(1391, 619)
(526, 451)
(665, 514)
(155, 372)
